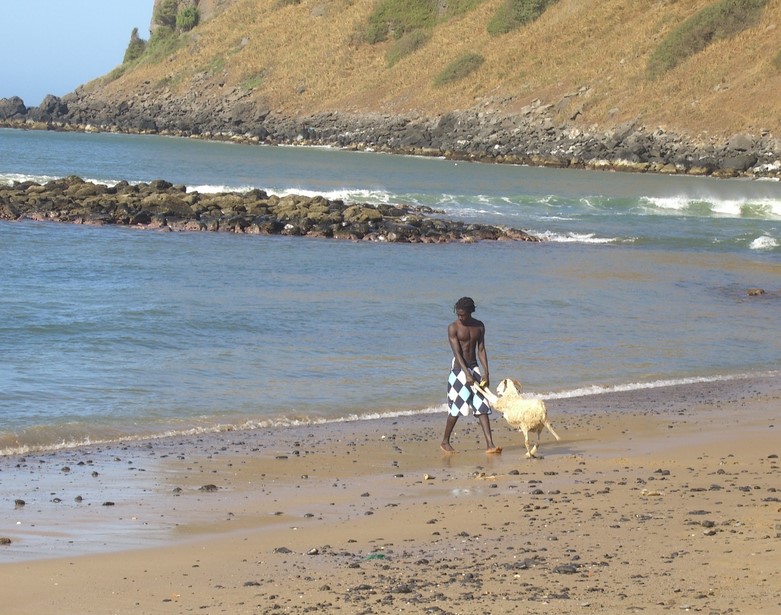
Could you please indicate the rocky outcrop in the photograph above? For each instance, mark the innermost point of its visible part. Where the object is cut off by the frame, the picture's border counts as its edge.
(12, 109)
(539, 135)
(161, 205)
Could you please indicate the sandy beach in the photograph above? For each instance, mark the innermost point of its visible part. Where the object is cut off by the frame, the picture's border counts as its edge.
(653, 501)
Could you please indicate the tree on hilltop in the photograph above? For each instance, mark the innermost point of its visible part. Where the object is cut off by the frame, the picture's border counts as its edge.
(135, 48)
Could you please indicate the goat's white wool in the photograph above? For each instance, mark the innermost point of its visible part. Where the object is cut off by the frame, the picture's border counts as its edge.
(525, 415)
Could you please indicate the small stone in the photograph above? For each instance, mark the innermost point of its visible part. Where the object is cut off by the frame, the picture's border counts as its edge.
(566, 569)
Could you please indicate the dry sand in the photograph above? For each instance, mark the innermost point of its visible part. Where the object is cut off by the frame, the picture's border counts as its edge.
(656, 501)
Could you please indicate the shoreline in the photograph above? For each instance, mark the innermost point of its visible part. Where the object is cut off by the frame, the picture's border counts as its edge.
(654, 499)
(469, 135)
(221, 425)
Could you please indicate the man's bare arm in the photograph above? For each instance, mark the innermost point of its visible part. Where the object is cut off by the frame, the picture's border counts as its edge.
(482, 355)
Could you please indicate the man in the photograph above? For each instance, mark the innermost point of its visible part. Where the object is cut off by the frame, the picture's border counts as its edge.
(467, 340)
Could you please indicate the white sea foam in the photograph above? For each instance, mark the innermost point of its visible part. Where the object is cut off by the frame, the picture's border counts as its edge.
(764, 242)
(572, 237)
(9, 178)
(762, 208)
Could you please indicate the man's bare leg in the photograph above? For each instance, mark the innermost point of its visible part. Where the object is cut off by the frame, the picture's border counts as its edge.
(485, 423)
(451, 423)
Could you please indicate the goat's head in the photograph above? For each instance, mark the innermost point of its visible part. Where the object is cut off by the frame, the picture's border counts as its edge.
(508, 386)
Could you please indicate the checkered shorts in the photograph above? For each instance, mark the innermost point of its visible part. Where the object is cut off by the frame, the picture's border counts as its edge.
(460, 397)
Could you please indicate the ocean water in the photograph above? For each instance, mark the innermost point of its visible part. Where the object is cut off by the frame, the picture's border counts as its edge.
(113, 333)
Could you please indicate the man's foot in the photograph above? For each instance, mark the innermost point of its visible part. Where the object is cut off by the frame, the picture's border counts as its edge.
(445, 446)
(496, 450)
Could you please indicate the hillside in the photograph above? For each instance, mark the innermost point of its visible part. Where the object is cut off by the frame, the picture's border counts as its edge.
(662, 86)
(589, 57)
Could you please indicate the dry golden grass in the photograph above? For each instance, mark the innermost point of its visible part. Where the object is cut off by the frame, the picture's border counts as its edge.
(307, 58)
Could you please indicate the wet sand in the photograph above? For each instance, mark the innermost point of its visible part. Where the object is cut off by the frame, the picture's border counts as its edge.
(653, 501)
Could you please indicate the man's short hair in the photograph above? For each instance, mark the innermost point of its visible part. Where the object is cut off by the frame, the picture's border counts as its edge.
(466, 304)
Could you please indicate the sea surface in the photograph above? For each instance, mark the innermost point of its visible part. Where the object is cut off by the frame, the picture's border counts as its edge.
(110, 333)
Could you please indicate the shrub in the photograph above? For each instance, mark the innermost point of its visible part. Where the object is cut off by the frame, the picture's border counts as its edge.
(512, 14)
(718, 21)
(165, 13)
(398, 17)
(459, 68)
(407, 44)
(135, 48)
(252, 82)
(217, 65)
(163, 42)
(454, 8)
(115, 74)
(187, 18)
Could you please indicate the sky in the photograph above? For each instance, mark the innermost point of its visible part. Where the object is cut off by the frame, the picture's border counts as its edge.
(53, 46)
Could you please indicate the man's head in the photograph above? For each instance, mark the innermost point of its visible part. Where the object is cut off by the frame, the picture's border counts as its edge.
(464, 308)
(466, 304)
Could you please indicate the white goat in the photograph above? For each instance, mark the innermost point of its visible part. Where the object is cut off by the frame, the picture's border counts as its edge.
(526, 415)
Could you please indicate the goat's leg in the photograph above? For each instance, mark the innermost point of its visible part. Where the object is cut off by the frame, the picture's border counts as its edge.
(550, 429)
(536, 444)
(529, 451)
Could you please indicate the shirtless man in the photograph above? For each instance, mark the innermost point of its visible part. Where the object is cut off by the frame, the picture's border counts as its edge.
(467, 340)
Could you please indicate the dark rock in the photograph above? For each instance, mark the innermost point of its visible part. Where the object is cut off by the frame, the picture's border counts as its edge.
(161, 205)
(12, 108)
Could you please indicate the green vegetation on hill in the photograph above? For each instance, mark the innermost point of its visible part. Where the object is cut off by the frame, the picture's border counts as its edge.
(187, 17)
(135, 48)
(395, 18)
(512, 14)
(718, 21)
(407, 44)
(459, 68)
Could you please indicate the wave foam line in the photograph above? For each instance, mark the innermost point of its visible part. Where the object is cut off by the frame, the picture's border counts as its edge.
(637, 386)
(19, 448)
